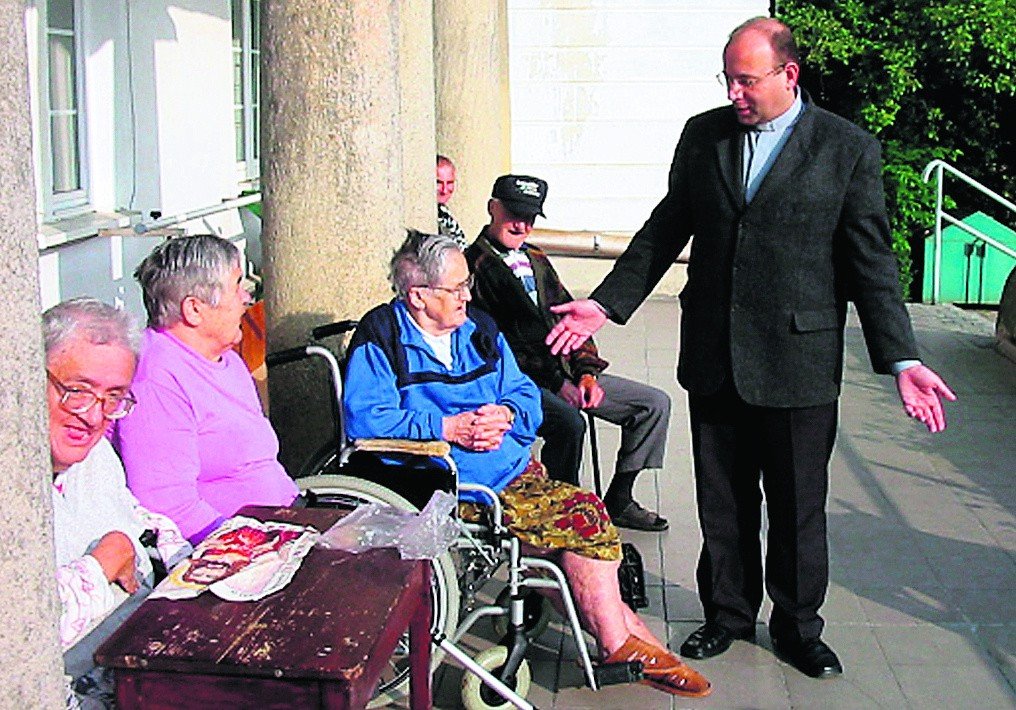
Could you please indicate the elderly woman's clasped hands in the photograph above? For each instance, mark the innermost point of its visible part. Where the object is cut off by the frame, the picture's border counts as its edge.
(480, 429)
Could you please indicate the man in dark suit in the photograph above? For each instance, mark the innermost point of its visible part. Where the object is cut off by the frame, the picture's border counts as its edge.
(786, 205)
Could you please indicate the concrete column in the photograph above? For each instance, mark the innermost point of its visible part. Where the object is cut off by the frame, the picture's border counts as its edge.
(32, 669)
(473, 110)
(416, 85)
(331, 176)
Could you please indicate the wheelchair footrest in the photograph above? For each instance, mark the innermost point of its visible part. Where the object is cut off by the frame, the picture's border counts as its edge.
(617, 673)
(631, 578)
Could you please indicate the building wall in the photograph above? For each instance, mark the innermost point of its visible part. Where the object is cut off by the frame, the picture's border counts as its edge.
(600, 90)
(157, 97)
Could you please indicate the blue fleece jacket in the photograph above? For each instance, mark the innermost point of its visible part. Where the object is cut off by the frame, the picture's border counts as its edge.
(395, 388)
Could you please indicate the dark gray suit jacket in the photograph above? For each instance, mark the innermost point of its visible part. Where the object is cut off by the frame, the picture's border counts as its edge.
(768, 282)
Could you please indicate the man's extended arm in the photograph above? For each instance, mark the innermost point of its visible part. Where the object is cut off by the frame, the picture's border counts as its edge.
(636, 272)
(874, 287)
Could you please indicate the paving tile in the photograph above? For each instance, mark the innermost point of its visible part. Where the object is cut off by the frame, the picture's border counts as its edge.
(682, 604)
(987, 606)
(842, 605)
(930, 644)
(573, 696)
(954, 686)
(1000, 642)
(740, 685)
(902, 606)
(862, 686)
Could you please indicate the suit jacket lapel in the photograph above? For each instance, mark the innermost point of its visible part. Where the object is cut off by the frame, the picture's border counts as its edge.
(729, 154)
(794, 155)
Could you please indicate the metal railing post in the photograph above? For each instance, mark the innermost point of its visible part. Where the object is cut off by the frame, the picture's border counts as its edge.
(936, 273)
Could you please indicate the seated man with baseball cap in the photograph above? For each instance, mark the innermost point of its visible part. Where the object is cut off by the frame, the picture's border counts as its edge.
(516, 284)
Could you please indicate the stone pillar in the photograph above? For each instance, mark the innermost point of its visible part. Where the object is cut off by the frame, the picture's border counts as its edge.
(416, 87)
(331, 176)
(473, 110)
(32, 669)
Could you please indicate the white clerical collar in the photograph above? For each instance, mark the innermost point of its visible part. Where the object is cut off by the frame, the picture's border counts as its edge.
(785, 120)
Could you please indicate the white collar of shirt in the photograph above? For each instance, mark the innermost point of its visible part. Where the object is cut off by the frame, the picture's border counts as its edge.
(440, 344)
(785, 120)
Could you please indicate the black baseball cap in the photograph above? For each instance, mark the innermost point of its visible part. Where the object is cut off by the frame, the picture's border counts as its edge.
(523, 195)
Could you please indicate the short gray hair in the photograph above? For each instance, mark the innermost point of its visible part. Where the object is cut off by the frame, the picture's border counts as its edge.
(420, 261)
(181, 267)
(89, 318)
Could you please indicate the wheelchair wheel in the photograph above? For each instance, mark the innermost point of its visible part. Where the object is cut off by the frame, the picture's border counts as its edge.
(537, 611)
(477, 696)
(349, 492)
(324, 461)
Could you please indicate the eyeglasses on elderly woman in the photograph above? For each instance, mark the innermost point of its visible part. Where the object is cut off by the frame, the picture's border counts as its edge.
(75, 400)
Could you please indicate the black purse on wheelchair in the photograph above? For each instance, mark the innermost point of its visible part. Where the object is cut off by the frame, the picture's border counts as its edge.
(631, 577)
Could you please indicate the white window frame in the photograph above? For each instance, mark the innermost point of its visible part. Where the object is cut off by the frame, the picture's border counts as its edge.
(249, 167)
(59, 205)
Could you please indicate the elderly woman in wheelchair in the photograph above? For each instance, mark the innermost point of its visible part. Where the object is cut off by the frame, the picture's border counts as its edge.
(428, 367)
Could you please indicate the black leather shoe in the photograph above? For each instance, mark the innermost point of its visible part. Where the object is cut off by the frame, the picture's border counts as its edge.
(712, 639)
(813, 657)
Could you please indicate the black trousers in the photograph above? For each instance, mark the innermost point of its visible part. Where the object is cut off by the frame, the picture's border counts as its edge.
(563, 431)
(735, 447)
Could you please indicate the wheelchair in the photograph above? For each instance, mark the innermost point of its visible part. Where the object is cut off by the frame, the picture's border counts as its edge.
(347, 474)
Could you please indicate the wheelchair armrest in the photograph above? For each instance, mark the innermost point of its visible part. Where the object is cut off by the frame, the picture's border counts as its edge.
(497, 516)
(413, 469)
(439, 449)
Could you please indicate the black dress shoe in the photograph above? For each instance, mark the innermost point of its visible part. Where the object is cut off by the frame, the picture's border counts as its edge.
(813, 657)
(712, 639)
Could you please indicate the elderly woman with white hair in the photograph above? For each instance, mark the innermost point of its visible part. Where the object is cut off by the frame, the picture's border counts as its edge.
(198, 446)
(91, 350)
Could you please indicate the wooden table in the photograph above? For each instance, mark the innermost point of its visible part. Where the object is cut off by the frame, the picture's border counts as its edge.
(321, 642)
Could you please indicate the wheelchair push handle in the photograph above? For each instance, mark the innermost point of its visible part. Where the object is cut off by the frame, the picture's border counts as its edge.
(284, 357)
(337, 328)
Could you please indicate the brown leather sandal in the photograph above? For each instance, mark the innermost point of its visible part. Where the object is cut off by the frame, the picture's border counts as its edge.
(662, 670)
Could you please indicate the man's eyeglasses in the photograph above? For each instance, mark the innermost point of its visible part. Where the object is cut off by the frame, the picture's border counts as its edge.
(460, 291)
(746, 82)
(79, 401)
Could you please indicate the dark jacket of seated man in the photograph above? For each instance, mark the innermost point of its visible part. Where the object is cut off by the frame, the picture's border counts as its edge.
(516, 283)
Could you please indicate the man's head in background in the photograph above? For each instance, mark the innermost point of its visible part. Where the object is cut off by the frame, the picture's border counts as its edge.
(515, 202)
(445, 179)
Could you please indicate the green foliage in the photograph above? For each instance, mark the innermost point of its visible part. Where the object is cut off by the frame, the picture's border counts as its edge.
(931, 78)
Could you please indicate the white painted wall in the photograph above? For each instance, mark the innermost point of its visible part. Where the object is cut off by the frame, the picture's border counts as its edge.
(159, 125)
(600, 90)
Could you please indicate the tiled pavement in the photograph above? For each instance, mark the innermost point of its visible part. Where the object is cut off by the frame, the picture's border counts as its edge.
(922, 601)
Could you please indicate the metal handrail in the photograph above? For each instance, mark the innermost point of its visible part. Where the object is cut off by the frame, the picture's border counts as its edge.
(586, 244)
(939, 167)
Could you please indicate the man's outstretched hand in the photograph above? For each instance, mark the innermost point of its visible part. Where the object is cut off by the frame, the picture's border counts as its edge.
(580, 319)
(921, 391)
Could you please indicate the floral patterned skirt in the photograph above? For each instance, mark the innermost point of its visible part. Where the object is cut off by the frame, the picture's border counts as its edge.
(554, 515)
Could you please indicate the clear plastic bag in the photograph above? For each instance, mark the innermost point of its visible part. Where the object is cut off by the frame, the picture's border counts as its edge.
(423, 535)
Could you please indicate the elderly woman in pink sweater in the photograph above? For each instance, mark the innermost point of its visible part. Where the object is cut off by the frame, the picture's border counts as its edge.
(197, 446)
